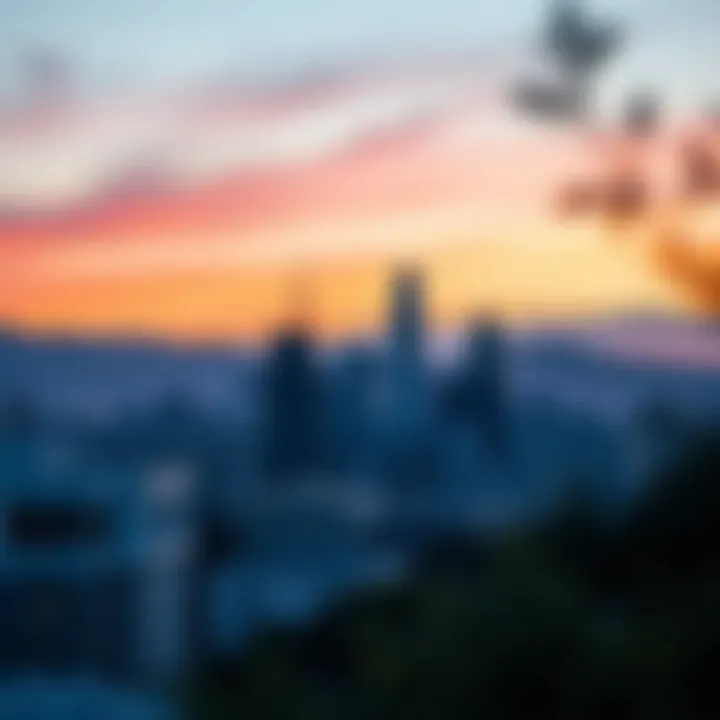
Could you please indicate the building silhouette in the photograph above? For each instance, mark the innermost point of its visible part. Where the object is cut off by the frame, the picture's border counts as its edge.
(475, 396)
(411, 441)
(96, 569)
(487, 385)
(349, 428)
(406, 345)
(292, 396)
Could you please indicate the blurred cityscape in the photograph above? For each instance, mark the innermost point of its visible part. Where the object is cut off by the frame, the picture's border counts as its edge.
(490, 517)
(180, 523)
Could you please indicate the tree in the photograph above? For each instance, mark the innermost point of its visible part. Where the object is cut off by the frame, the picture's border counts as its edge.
(573, 618)
(578, 46)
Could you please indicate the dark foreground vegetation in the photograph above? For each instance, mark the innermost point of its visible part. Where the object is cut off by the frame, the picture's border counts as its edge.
(579, 618)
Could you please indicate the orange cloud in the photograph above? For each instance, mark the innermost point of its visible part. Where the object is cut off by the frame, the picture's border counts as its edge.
(466, 196)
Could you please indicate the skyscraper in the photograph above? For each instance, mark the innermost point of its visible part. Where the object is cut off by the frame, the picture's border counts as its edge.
(407, 316)
(291, 400)
(348, 427)
(406, 348)
(409, 431)
(291, 409)
(487, 385)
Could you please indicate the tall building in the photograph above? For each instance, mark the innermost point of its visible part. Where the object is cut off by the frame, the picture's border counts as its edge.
(406, 345)
(291, 399)
(95, 569)
(487, 385)
(409, 429)
(407, 318)
(348, 423)
(291, 409)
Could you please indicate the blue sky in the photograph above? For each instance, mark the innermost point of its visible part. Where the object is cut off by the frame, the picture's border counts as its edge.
(155, 42)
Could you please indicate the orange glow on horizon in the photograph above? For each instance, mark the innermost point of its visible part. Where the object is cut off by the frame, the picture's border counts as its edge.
(213, 261)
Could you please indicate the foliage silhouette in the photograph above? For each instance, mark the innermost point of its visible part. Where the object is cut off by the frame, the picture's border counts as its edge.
(580, 616)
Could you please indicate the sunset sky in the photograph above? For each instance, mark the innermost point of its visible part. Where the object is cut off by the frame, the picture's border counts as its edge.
(183, 164)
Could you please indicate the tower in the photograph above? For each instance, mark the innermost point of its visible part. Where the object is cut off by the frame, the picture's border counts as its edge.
(407, 315)
(292, 403)
(487, 385)
(409, 430)
(406, 341)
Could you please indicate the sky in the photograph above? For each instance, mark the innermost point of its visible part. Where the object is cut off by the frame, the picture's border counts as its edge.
(119, 43)
(154, 200)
